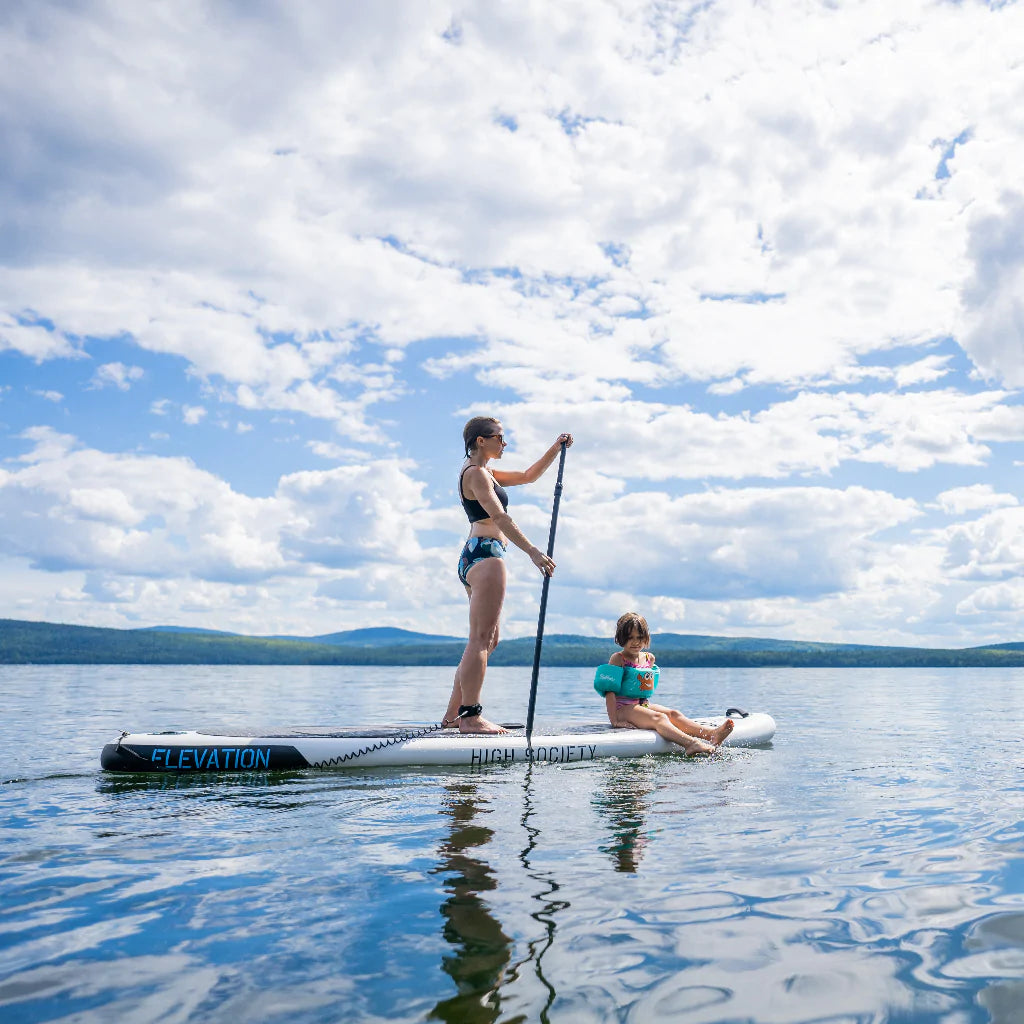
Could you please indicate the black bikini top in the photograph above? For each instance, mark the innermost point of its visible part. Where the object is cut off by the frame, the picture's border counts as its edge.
(474, 510)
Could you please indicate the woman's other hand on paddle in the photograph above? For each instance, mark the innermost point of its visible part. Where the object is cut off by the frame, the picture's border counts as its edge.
(565, 439)
(542, 561)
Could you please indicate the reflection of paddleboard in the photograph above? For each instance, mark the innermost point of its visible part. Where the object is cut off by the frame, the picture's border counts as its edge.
(411, 745)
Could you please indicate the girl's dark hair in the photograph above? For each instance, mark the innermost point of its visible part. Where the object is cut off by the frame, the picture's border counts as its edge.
(478, 426)
(626, 624)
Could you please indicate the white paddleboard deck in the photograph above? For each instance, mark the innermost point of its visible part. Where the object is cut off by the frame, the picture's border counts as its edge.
(401, 745)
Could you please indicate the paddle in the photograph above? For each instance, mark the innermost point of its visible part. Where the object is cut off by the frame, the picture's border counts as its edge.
(544, 599)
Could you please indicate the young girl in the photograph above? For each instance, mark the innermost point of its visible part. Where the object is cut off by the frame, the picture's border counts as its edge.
(628, 712)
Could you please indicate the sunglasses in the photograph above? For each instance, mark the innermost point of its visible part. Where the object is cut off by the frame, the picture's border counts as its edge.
(500, 437)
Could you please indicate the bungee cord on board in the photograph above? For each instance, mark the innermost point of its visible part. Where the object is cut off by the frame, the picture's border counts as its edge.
(391, 741)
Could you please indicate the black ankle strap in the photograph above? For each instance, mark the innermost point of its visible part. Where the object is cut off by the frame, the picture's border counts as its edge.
(470, 710)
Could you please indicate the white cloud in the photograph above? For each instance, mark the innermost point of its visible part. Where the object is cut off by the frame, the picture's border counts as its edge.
(335, 452)
(103, 505)
(813, 432)
(73, 508)
(994, 307)
(1003, 601)
(727, 387)
(973, 498)
(891, 591)
(923, 371)
(116, 374)
(352, 514)
(48, 444)
(35, 340)
(192, 414)
(724, 544)
(988, 548)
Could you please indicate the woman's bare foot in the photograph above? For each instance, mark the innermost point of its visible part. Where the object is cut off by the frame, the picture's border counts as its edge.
(719, 734)
(478, 725)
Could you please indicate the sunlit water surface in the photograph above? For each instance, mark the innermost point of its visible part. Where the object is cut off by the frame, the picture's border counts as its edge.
(869, 866)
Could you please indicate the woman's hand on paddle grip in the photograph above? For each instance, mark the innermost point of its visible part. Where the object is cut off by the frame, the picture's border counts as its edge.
(543, 562)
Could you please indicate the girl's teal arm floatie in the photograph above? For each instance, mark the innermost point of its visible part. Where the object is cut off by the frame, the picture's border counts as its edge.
(626, 682)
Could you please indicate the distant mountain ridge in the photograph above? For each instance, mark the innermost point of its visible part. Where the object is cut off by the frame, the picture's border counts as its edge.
(24, 642)
(372, 636)
(387, 636)
(377, 636)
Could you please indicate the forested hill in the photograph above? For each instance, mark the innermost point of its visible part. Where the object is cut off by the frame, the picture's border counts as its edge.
(51, 643)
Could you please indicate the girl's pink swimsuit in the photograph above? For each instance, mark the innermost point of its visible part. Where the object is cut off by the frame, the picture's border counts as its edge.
(628, 702)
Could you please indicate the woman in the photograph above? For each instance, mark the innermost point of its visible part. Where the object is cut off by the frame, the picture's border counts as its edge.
(482, 562)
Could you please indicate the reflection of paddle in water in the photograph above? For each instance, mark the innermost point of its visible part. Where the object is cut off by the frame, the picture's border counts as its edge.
(624, 805)
(544, 915)
(482, 949)
(487, 985)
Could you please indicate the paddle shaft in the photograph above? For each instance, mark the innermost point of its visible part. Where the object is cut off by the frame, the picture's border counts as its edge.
(544, 598)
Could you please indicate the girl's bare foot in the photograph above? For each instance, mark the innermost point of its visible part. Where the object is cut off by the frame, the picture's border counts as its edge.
(719, 734)
(698, 748)
(478, 725)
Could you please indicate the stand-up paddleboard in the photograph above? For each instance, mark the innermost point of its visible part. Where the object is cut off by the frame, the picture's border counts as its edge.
(373, 748)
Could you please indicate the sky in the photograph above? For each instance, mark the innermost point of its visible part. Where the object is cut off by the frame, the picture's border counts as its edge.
(260, 261)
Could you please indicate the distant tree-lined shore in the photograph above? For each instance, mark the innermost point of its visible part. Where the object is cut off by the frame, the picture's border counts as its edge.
(46, 643)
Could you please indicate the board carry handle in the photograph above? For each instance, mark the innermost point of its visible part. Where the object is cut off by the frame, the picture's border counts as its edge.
(731, 712)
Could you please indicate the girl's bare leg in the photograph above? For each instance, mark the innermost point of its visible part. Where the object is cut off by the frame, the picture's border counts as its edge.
(647, 718)
(486, 596)
(691, 728)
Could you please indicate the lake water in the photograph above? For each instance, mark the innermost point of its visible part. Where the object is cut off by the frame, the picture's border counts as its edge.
(868, 866)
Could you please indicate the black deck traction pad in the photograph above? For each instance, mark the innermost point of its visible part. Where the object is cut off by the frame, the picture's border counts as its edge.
(379, 732)
(382, 732)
